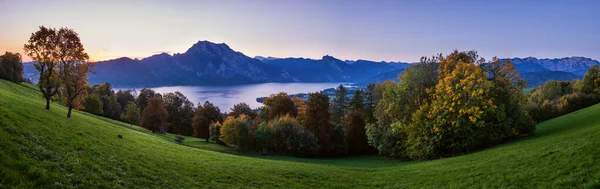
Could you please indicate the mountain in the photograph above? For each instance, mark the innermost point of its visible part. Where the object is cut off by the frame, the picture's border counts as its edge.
(539, 78)
(329, 69)
(575, 65)
(207, 63)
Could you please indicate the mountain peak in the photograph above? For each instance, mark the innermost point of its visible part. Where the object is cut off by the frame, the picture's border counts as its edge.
(209, 48)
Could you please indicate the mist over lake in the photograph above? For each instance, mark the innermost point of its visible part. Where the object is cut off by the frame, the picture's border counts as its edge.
(226, 97)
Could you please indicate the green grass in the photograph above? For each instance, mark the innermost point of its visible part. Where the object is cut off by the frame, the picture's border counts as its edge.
(44, 149)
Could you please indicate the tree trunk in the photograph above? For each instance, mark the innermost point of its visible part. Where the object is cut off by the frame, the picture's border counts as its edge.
(47, 103)
(69, 113)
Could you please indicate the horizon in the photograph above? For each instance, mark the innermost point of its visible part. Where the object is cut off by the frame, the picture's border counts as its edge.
(387, 31)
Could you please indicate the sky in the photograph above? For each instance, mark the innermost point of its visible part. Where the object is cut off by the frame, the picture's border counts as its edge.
(385, 30)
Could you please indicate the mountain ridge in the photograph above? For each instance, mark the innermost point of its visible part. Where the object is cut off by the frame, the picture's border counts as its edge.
(208, 63)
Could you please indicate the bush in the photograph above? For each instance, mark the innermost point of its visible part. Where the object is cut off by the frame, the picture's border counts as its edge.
(179, 139)
(289, 138)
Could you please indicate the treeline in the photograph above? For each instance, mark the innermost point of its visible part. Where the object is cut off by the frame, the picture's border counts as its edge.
(557, 98)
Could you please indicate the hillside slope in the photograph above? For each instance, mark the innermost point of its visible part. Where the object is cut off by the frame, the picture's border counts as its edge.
(44, 149)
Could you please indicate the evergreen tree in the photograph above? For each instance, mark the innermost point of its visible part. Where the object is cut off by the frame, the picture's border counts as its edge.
(357, 102)
(339, 105)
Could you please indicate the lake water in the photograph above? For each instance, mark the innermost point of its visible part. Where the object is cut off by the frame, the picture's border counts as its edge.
(226, 97)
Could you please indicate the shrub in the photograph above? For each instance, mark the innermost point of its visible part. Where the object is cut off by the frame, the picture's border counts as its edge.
(234, 130)
(179, 139)
(289, 138)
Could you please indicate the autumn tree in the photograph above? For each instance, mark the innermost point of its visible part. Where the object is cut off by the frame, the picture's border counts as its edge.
(456, 119)
(242, 109)
(154, 116)
(354, 132)
(141, 100)
(318, 120)
(339, 105)
(280, 105)
(132, 114)
(11, 67)
(181, 112)
(300, 105)
(205, 115)
(234, 129)
(215, 132)
(73, 66)
(93, 104)
(41, 47)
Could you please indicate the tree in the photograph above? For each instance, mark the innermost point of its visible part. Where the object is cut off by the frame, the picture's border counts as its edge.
(215, 132)
(456, 118)
(288, 137)
(318, 120)
(111, 108)
(154, 116)
(41, 47)
(354, 131)
(242, 109)
(125, 96)
(591, 81)
(141, 100)
(132, 114)
(300, 107)
(181, 112)
(73, 66)
(280, 105)
(203, 118)
(357, 102)
(11, 67)
(370, 103)
(339, 105)
(234, 129)
(104, 89)
(93, 104)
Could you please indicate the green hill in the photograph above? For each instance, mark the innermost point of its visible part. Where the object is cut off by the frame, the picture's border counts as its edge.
(44, 149)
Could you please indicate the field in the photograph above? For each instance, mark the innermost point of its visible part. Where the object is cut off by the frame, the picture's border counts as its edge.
(44, 149)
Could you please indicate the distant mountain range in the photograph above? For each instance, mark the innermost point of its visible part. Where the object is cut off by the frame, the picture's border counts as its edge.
(207, 63)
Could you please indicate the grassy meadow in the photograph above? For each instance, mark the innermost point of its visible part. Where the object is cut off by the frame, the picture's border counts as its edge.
(44, 149)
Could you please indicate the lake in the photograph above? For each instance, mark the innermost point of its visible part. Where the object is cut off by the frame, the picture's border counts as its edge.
(226, 97)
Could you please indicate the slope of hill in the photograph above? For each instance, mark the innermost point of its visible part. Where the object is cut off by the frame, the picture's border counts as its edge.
(44, 149)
